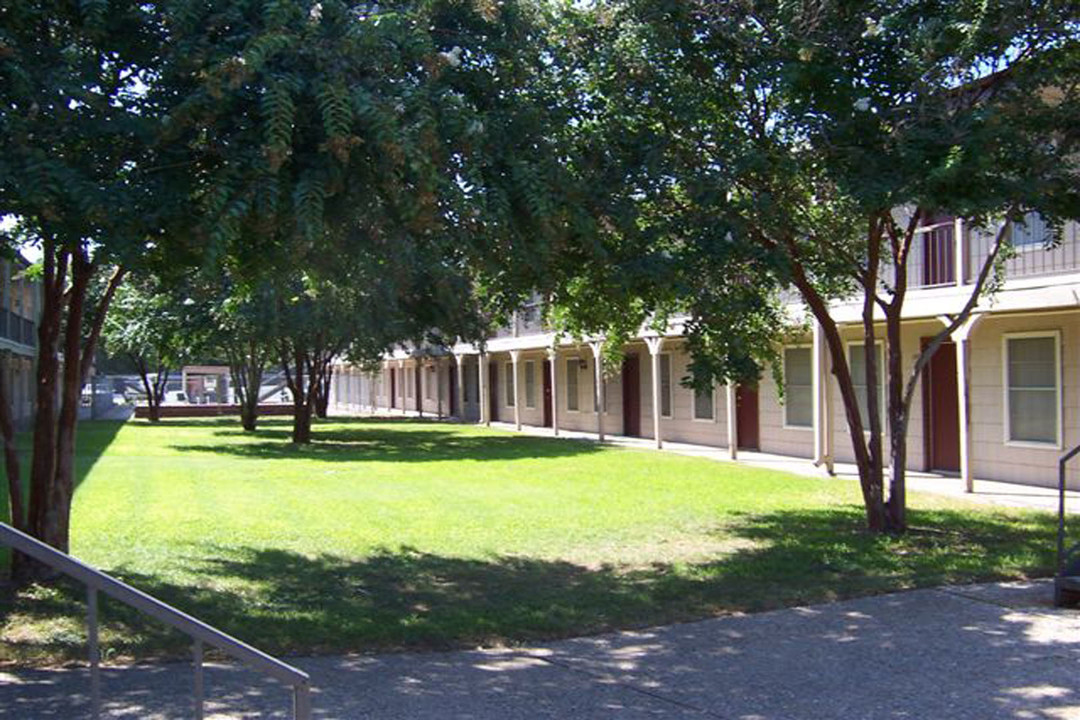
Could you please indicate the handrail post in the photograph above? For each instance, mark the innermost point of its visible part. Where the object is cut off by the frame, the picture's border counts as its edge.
(94, 651)
(301, 701)
(1061, 509)
(197, 651)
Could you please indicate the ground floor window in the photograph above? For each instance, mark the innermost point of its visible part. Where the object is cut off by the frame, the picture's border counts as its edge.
(798, 388)
(665, 385)
(572, 384)
(703, 404)
(1032, 388)
(511, 384)
(530, 384)
(473, 380)
(857, 365)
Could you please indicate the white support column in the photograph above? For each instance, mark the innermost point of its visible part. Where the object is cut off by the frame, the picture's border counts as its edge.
(959, 251)
(655, 344)
(553, 361)
(822, 417)
(598, 386)
(401, 385)
(515, 357)
(485, 396)
(732, 420)
(460, 410)
(962, 338)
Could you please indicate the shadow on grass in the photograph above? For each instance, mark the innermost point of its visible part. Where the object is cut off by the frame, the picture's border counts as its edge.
(382, 441)
(93, 438)
(395, 598)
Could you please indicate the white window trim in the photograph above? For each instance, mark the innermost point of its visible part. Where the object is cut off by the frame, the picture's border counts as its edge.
(783, 350)
(882, 381)
(671, 371)
(528, 364)
(577, 385)
(712, 402)
(1058, 405)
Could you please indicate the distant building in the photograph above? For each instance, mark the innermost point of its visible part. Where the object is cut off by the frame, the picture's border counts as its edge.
(20, 308)
(1001, 401)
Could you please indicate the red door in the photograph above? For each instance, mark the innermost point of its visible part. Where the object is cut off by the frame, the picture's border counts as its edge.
(941, 417)
(393, 388)
(547, 392)
(746, 418)
(631, 395)
(493, 390)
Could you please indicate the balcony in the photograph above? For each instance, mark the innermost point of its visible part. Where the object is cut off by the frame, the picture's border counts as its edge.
(937, 260)
(18, 329)
(526, 321)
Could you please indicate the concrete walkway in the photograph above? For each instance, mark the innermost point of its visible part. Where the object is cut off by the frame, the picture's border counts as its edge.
(974, 652)
(989, 492)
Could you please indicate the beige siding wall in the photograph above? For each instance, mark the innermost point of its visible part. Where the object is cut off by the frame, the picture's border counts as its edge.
(993, 457)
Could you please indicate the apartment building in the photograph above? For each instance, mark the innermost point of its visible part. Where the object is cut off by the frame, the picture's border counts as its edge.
(20, 304)
(1000, 401)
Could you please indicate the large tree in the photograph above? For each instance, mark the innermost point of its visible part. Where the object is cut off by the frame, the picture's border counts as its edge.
(772, 145)
(76, 134)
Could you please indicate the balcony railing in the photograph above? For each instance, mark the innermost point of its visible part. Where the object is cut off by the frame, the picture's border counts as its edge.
(947, 253)
(17, 328)
(527, 321)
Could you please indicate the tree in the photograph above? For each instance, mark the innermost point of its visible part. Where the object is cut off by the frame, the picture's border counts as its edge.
(148, 326)
(772, 145)
(74, 128)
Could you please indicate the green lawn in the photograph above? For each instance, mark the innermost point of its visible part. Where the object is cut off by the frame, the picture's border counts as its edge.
(388, 535)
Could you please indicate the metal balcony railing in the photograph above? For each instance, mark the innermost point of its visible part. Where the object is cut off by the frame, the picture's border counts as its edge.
(948, 253)
(201, 634)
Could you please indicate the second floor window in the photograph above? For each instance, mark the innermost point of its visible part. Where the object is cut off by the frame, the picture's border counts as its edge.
(1030, 232)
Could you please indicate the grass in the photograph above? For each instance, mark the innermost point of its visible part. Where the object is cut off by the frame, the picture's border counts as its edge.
(396, 534)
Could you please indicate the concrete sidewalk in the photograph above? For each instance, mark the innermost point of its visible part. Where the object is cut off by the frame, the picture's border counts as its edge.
(980, 652)
(989, 492)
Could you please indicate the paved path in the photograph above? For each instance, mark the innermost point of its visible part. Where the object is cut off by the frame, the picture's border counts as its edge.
(989, 492)
(975, 652)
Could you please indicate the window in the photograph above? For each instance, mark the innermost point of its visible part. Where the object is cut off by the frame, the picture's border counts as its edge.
(530, 384)
(857, 364)
(1032, 389)
(703, 404)
(798, 388)
(511, 384)
(1031, 232)
(572, 384)
(429, 383)
(474, 376)
(409, 377)
(665, 385)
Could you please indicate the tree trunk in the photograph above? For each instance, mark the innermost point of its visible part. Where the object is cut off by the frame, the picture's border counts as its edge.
(322, 389)
(302, 393)
(872, 490)
(43, 462)
(16, 504)
(58, 529)
(898, 419)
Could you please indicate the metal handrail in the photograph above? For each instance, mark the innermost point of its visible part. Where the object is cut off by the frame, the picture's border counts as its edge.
(1061, 554)
(97, 581)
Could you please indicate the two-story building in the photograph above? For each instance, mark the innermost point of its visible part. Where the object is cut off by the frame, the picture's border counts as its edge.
(1001, 401)
(20, 306)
